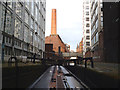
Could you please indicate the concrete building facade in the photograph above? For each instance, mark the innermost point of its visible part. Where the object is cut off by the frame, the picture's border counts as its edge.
(97, 29)
(86, 26)
(24, 32)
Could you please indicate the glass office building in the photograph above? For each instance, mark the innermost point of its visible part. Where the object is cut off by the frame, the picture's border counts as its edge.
(22, 27)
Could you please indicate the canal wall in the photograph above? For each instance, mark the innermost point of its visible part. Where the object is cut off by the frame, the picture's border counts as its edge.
(21, 77)
(94, 79)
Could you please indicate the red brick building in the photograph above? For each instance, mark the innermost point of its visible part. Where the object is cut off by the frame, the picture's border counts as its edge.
(58, 44)
(88, 53)
(54, 38)
(80, 47)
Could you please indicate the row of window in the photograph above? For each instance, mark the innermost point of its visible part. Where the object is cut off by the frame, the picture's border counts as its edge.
(94, 15)
(94, 27)
(18, 25)
(17, 43)
(8, 21)
(29, 4)
(8, 51)
(93, 4)
(34, 10)
(94, 39)
(28, 34)
(8, 40)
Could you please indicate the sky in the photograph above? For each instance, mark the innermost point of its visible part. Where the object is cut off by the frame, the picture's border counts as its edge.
(69, 20)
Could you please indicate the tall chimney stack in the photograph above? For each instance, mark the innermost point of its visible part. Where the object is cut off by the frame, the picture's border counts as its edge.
(53, 22)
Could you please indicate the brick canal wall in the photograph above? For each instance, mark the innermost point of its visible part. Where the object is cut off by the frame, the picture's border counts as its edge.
(94, 79)
(26, 75)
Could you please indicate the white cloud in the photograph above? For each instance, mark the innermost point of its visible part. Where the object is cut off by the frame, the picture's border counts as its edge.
(69, 20)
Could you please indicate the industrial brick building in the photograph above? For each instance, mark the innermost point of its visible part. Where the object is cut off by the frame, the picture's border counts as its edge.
(79, 48)
(58, 45)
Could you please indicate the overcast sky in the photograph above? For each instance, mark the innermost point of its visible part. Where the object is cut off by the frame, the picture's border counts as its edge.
(69, 20)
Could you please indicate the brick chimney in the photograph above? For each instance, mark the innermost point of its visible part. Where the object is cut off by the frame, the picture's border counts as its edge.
(53, 23)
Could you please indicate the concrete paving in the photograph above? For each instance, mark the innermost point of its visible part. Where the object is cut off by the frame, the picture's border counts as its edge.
(111, 69)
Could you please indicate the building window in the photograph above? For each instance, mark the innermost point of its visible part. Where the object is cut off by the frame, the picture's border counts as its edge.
(32, 8)
(27, 3)
(26, 17)
(102, 21)
(101, 4)
(91, 20)
(87, 19)
(36, 13)
(39, 31)
(88, 37)
(26, 34)
(8, 40)
(87, 7)
(93, 29)
(92, 42)
(19, 44)
(87, 31)
(8, 22)
(32, 23)
(87, 13)
(101, 13)
(87, 2)
(38, 20)
(25, 47)
(9, 3)
(87, 43)
(96, 36)
(8, 26)
(31, 37)
(19, 9)
(96, 23)
(35, 38)
(36, 27)
(2, 18)
(94, 39)
(87, 25)
(18, 31)
(102, 18)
